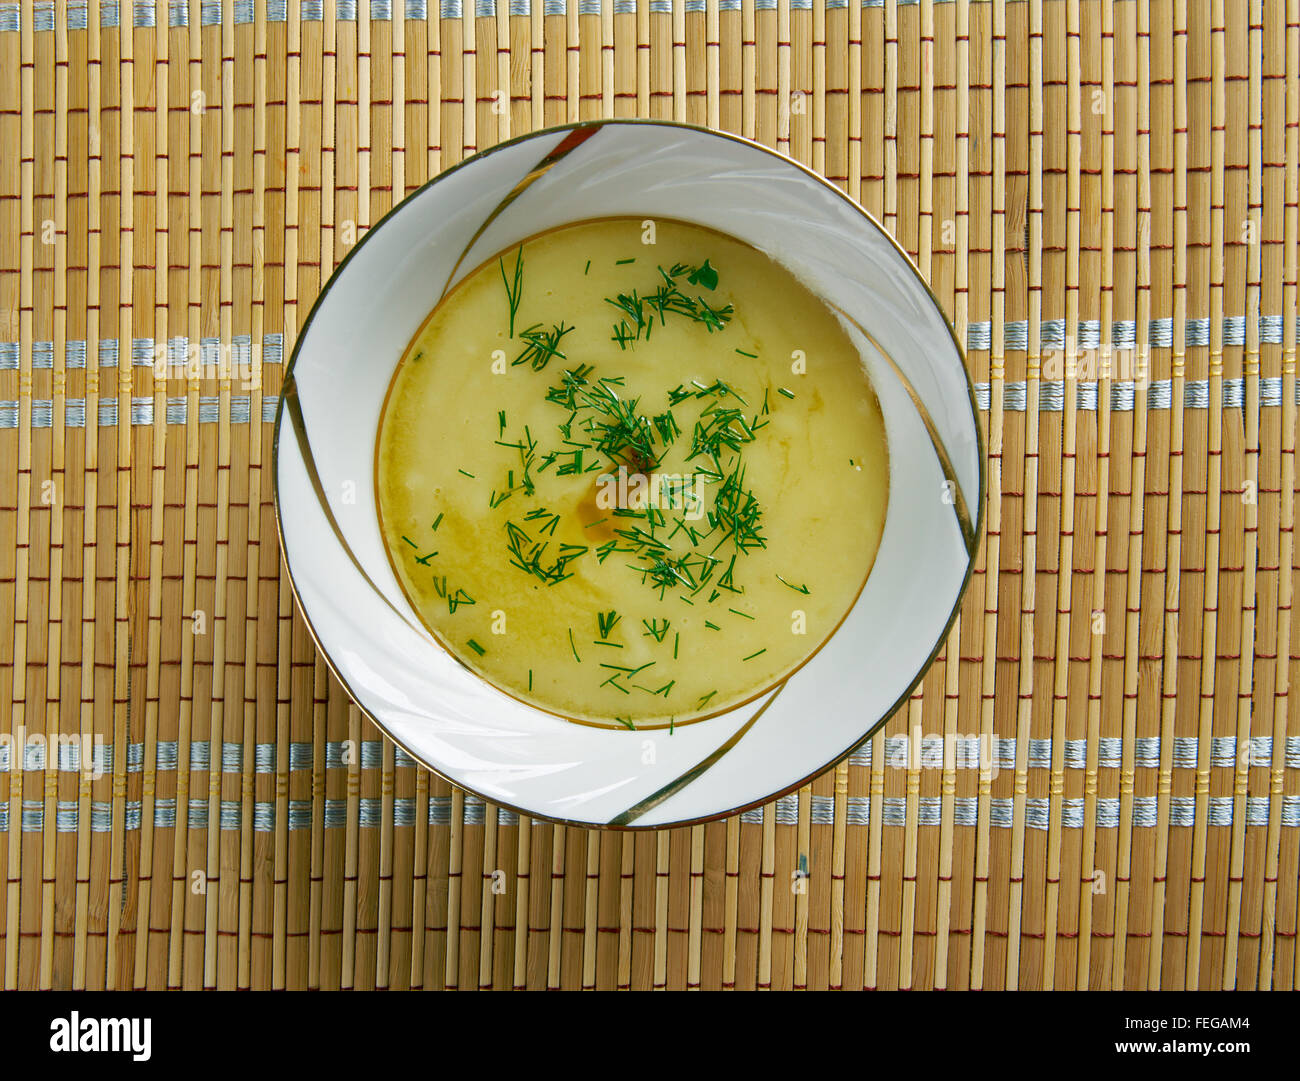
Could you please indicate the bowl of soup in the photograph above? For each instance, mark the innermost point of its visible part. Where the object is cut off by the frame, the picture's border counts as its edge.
(628, 474)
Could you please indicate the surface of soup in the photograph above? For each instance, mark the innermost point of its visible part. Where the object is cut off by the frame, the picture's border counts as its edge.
(632, 472)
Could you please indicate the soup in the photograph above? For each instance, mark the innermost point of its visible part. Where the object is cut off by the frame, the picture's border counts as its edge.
(632, 473)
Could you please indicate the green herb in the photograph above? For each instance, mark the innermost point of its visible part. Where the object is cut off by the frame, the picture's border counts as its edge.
(626, 722)
(538, 513)
(610, 421)
(470, 475)
(476, 647)
(437, 522)
(515, 289)
(623, 262)
(410, 542)
(607, 621)
(626, 669)
(753, 655)
(530, 679)
(541, 345)
(530, 557)
(666, 425)
(704, 275)
(609, 548)
(797, 589)
(712, 626)
(743, 615)
(785, 393)
(719, 428)
(752, 356)
(638, 313)
(455, 600)
(677, 637)
(655, 628)
(574, 647)
(737, 514)
(705, 700)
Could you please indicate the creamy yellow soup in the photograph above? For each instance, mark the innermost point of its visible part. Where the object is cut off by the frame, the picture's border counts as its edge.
(632, 473)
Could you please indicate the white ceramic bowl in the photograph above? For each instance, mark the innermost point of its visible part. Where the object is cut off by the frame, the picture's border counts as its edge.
(449, 718)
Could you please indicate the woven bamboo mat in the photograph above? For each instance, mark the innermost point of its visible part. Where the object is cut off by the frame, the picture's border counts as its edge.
(1104, 196)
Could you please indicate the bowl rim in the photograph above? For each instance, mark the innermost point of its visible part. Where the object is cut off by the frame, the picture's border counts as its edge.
(287, 383)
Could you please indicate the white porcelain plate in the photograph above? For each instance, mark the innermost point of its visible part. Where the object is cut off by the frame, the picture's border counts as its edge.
(450, 719)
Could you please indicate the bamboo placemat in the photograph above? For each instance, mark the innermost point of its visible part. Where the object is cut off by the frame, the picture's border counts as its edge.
(1088, 185)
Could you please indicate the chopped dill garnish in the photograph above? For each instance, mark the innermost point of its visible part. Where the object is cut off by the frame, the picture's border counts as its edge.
(677, 637)
(705, 700)
(476, 647)
(752, 356)
(743, 615)
(610, 421)
(623, 262)
(530, 679)
(626, 669)
(607, 621)
(541, 345)
(470, 475)
(798, 589)
(712, 626)
(410, 542)
(639, 312)
(784, 392)
(574, 647)
(515, 289)
(437, 522)
(655, 628)
(753, 655)
(552, 520)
